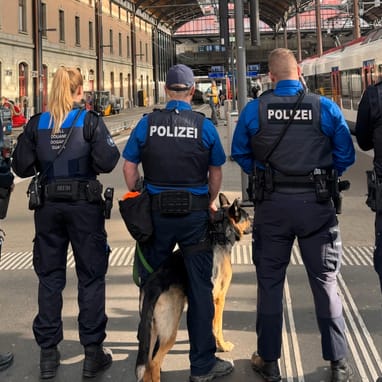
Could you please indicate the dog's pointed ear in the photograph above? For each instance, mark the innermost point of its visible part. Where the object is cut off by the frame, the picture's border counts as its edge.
(223, 200)
(234, 211)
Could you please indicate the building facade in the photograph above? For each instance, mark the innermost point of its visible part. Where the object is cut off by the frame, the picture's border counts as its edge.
(108, 41)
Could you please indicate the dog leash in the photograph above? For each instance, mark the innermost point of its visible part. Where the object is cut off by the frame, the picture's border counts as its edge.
(146, 265)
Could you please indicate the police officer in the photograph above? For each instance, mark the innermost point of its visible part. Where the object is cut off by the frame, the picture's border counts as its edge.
(6, 185)
(69, 147)
(368, 131)
(181, 156)
(293, 141)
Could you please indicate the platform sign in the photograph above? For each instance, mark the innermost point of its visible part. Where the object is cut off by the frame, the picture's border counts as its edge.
(216, 72)
(216, 75)
(253, 70)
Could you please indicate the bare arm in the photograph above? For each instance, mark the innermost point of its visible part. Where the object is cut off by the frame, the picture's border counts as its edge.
(214, 183)
(131, 174)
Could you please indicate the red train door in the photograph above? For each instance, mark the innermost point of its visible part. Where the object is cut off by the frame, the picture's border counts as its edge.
(336, 85)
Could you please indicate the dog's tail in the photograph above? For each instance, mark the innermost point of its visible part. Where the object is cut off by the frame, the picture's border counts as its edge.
(144, 331)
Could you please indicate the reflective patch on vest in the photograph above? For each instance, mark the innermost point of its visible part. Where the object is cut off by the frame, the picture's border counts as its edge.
(282, 112)
(188, 132)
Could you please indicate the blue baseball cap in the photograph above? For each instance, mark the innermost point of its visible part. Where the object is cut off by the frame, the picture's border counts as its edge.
(180, 77)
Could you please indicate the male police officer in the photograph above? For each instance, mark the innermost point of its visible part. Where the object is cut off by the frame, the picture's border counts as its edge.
(368, 131)
(181, 156)
(6, 181)
(293, 141)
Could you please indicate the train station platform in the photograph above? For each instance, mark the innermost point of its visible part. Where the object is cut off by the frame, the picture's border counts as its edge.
(301, 359)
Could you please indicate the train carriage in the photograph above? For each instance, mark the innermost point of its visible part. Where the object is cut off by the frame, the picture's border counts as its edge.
(343, 73)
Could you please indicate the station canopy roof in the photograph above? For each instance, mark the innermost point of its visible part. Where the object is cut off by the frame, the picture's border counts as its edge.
(174, 13)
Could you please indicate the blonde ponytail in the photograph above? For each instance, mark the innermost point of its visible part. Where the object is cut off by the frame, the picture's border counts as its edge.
(65, 83)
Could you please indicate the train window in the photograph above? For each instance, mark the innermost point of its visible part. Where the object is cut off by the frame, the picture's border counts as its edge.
(346, 90)
(325, 86)
(356, 87)
(351, 86)
(311, 83)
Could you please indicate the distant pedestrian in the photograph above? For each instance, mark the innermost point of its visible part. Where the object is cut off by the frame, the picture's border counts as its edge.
(213, 99)
(256, 89)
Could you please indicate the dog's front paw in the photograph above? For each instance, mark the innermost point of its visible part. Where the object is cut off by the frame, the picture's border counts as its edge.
(224, 346)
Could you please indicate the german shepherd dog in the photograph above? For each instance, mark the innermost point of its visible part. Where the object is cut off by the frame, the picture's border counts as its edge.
(163, 296)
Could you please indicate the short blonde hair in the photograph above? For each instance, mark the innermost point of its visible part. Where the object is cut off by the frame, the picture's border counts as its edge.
(282, 63)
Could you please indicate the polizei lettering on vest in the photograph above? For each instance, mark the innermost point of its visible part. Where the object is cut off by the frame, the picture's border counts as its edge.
(174, 131)
(285, 114)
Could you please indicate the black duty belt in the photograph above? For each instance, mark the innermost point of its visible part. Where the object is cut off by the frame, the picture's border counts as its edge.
(184, 199)
(69, 190)
(292, 184)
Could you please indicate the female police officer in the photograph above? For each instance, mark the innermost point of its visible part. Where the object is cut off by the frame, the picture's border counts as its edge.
(69, 147)
(294, 137)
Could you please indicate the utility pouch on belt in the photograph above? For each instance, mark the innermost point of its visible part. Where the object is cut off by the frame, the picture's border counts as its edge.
(94, 191)
(374, 191)
(258, 185)
(175, 202)
(135, 209)
(321, 183)
(34, 193)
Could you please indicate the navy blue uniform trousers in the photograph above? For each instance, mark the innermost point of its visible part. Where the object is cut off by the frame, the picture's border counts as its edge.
(186, 231)
(277, 223)
(378, 246)
(82, 224)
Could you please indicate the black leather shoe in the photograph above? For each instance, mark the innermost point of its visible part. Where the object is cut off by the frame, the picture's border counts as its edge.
(97, 358)
(269, 370)
(49, 362)
(6, 360)
(341, 371)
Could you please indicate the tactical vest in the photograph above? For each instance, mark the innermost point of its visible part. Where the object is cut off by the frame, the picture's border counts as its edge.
(376, 110)
(74, 160)
(174, 154)
(304, 146)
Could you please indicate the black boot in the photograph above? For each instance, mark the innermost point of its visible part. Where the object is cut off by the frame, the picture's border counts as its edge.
(6, 360)
(49, 362)
(97, 358)
(341, 371)
(269, 370)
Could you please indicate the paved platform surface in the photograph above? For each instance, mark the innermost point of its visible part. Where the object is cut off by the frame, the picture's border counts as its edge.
(301, 355)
